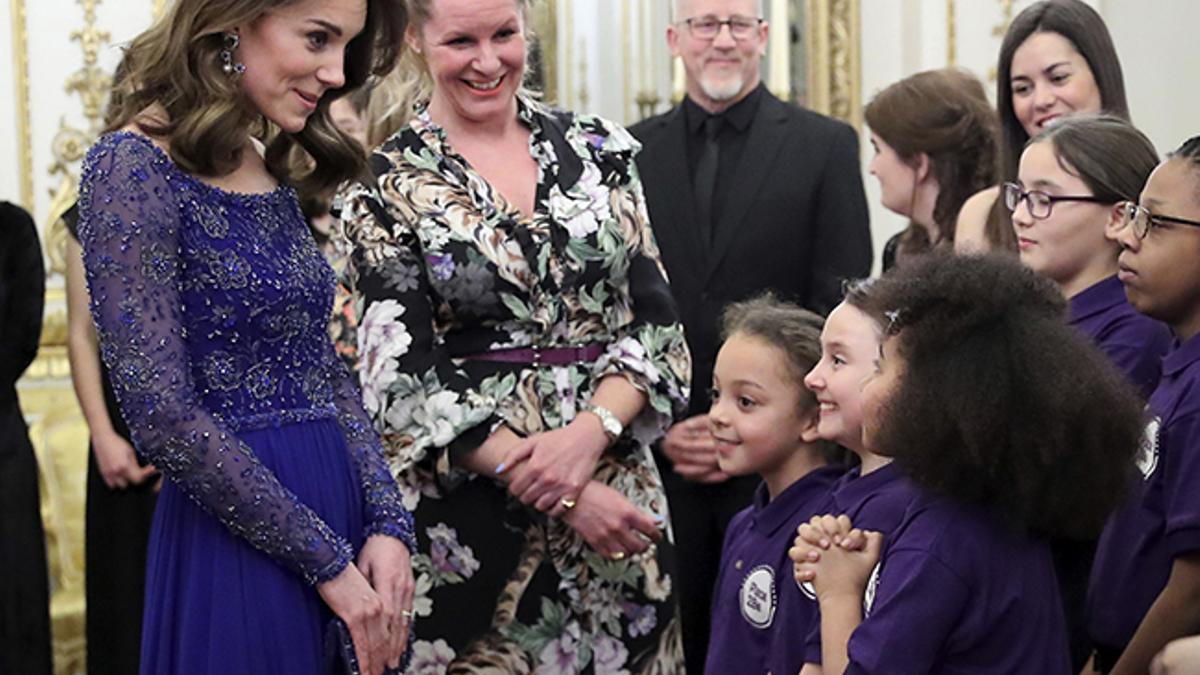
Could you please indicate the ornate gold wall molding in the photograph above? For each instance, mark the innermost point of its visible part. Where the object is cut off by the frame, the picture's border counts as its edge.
(70, 144)
(951, 33)
(545, 31)
(834, 68)
(20, 55)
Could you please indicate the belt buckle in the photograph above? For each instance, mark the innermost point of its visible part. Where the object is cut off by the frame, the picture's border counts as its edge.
(537, 355)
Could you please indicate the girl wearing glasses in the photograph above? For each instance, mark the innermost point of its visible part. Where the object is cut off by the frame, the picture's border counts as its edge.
(1072, 185)
(1057, 59)
(1146, 578)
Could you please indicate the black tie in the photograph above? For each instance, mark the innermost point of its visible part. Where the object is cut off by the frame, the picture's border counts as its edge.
(706, 176)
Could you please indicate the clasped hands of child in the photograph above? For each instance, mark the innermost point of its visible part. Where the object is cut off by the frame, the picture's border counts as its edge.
(835, 557)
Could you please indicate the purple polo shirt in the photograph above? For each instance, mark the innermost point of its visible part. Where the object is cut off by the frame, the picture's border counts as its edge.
(1134, 342)
(876, 502)
(958, 592)
(756, 592)
(1160, 520)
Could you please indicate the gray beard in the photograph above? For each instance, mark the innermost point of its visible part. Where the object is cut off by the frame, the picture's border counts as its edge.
(723, 91)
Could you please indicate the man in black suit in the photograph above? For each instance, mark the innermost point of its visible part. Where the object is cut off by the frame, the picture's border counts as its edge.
(746, 194)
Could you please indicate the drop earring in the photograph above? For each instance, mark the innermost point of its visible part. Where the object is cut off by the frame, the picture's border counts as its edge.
(230, 66)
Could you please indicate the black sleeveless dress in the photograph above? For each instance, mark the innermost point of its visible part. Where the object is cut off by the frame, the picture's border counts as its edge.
(24, 584)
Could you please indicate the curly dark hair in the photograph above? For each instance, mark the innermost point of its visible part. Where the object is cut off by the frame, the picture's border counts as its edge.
(1002, 404)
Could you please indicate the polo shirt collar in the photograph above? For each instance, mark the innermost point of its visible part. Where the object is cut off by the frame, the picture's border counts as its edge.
(1098, 297)
(770, 515)
(854, 487)
(1183, 355)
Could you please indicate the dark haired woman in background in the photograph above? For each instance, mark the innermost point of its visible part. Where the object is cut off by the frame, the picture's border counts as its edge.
(1056, 59)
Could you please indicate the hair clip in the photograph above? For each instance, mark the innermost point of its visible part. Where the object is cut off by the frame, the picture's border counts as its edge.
(893, 326)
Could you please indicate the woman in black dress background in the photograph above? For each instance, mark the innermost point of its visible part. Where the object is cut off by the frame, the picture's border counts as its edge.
(24, 585)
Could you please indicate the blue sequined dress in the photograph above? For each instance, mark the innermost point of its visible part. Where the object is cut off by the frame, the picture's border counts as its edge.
(211, 310)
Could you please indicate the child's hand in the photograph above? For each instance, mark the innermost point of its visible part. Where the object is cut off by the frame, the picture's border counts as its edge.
(827, 530)
(1179, 656)
(819, 534)
(840, 569)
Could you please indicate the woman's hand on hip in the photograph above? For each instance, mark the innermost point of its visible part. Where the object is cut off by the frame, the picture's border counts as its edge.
(351, 597)
(387, 564)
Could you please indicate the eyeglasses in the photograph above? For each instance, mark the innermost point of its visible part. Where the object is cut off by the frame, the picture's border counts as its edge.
(708, 27)
(1143, 220)
(1039, 203)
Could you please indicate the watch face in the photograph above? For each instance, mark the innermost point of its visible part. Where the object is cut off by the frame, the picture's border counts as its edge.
(608, 421)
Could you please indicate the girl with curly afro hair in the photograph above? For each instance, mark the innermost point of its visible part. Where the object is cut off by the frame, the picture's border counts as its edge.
(1145, 586)
(1016, 429)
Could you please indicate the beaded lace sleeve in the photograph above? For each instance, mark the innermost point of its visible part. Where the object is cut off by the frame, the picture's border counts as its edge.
(384, 512)
(131, 231)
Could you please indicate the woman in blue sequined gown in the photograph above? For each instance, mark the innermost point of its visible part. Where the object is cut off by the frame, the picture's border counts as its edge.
(210, 300)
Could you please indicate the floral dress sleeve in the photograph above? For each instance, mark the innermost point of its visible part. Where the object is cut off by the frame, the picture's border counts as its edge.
(131, 231)
(648, 346)
(429, 411)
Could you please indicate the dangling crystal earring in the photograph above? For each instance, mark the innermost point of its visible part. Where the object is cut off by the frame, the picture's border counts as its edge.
(227, 63)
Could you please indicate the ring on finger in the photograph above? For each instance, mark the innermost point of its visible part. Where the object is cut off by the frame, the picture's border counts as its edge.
(618, 555)
(567, 503)
(406, 614)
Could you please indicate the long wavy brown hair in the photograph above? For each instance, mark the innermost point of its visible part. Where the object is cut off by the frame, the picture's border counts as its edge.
(176, 64)
(945, 115)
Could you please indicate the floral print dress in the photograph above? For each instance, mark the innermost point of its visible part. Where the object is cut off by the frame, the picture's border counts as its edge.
(444, 267)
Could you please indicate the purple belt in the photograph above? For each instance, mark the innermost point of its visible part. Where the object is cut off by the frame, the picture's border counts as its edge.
(554, 356)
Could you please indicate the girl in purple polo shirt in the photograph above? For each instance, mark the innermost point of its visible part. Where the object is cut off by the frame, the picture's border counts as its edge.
(1146, 578)
(764, 421)
(1073, 181)
(875, 493)
(1015, 429)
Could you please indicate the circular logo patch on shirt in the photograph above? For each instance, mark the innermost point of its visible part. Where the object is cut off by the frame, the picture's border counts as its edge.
(757, 596)
(1147, 457)
(872, 586)
(807, 589)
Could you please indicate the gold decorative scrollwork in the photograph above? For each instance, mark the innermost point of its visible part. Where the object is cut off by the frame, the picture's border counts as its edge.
(70, 144)
(951, 33)
(998, 31)
(832, 28)
(20, 47)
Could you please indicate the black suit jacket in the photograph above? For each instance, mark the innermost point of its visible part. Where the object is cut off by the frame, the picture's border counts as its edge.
(795, 221)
